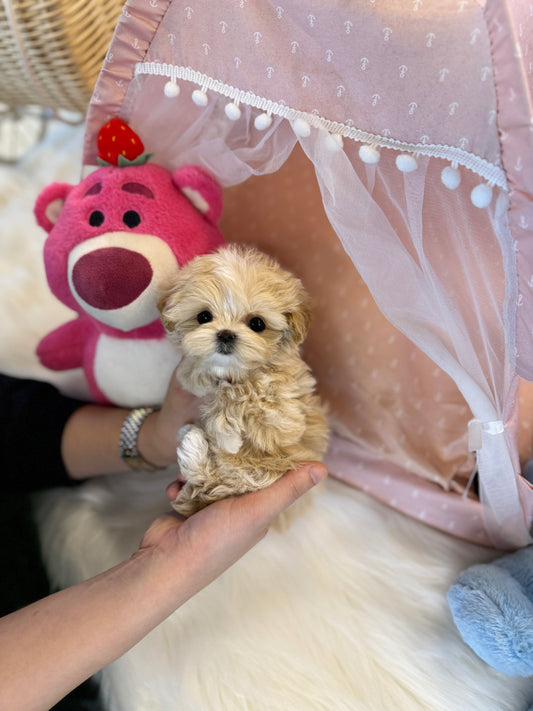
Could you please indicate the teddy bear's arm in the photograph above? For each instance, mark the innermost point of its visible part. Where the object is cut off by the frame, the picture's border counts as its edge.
(63, 348)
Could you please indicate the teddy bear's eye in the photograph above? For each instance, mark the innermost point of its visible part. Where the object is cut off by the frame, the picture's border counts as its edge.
(204, 317)
(96, 218)
(131, 218)
(257, 324)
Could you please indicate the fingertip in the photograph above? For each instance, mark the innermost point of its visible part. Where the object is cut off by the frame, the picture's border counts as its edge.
(173, 490)
(317, 472)
(297, 482)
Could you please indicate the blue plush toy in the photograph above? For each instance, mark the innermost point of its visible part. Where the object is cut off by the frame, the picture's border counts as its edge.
(492, 606)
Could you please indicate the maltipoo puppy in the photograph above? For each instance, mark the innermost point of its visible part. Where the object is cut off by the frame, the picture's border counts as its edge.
(238, 320)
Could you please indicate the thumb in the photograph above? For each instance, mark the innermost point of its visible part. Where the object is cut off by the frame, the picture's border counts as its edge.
(274, 499)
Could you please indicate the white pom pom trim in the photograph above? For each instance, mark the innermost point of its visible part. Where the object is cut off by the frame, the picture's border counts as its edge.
(451, 177)
(232, 111)
(301, 128)
(200, 97)
(491, 173)
(481, 195)
(406, 163)
(369, 154)
(171, 89)
(262, 122)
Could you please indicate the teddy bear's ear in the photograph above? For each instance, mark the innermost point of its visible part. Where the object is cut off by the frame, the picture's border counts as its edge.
(202, 189)
(49, 204)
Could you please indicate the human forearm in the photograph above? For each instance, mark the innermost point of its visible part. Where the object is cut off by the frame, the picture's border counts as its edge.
(89, 445)
(90, 442)
(48, 648)
(65, 638)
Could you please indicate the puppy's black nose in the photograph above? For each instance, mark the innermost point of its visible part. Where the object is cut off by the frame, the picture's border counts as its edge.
(226, 336)
(226, 341)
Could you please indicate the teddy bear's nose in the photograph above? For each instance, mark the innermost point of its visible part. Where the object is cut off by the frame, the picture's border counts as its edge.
(111, 277)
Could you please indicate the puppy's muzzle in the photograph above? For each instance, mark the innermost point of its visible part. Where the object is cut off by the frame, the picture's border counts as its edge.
(226, 342)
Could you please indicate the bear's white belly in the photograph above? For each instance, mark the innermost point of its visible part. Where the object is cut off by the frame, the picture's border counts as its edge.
(132, 372)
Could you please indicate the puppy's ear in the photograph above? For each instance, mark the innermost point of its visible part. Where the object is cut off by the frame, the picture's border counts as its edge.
(299, 321)
(168, 325)
(165, 305)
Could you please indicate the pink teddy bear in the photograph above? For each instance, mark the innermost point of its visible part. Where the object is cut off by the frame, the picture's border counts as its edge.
(115, 242)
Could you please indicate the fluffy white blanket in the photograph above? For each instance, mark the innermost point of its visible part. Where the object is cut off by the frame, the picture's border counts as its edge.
(344, 611)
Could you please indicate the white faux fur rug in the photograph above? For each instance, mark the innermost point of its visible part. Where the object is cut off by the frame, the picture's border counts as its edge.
(344, 611)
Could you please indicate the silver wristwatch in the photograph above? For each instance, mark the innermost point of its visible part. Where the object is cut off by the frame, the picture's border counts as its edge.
(128, 440)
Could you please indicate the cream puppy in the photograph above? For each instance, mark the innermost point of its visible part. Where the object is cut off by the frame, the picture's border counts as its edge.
(238, 320)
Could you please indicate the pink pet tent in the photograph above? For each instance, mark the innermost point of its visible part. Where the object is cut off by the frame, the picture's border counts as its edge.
(415, 119)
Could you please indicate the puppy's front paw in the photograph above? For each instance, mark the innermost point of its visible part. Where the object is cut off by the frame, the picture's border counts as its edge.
(230, 442)
(192, 454)
(183, 431)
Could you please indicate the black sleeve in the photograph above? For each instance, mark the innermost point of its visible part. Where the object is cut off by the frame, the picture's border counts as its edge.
(32, 417)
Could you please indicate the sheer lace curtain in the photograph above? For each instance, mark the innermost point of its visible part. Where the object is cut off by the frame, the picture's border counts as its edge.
(434, 265)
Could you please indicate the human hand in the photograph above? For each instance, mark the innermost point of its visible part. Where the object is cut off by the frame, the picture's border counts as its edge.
(210, 541)
(158, 436)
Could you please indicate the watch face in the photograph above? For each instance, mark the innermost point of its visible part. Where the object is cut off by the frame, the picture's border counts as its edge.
(137, 463)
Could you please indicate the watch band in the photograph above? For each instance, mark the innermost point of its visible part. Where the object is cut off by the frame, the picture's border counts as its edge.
(128, 440)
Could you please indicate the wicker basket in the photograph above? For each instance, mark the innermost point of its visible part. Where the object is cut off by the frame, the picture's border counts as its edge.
(51, 50)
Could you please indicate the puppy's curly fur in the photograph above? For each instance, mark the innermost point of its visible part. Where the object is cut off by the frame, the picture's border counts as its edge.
(238, 320)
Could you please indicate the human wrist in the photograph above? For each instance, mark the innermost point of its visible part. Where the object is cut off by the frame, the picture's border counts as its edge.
(175, 574)
(152, 446)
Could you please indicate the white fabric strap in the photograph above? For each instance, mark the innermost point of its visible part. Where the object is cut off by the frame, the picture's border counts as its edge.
(476, 429)
(502, 511)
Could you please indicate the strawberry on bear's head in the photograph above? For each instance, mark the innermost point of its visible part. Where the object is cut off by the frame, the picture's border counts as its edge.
(119, 145)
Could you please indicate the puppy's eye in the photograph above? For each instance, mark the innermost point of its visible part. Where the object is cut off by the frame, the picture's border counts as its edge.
(256, 324)
(204, 317)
